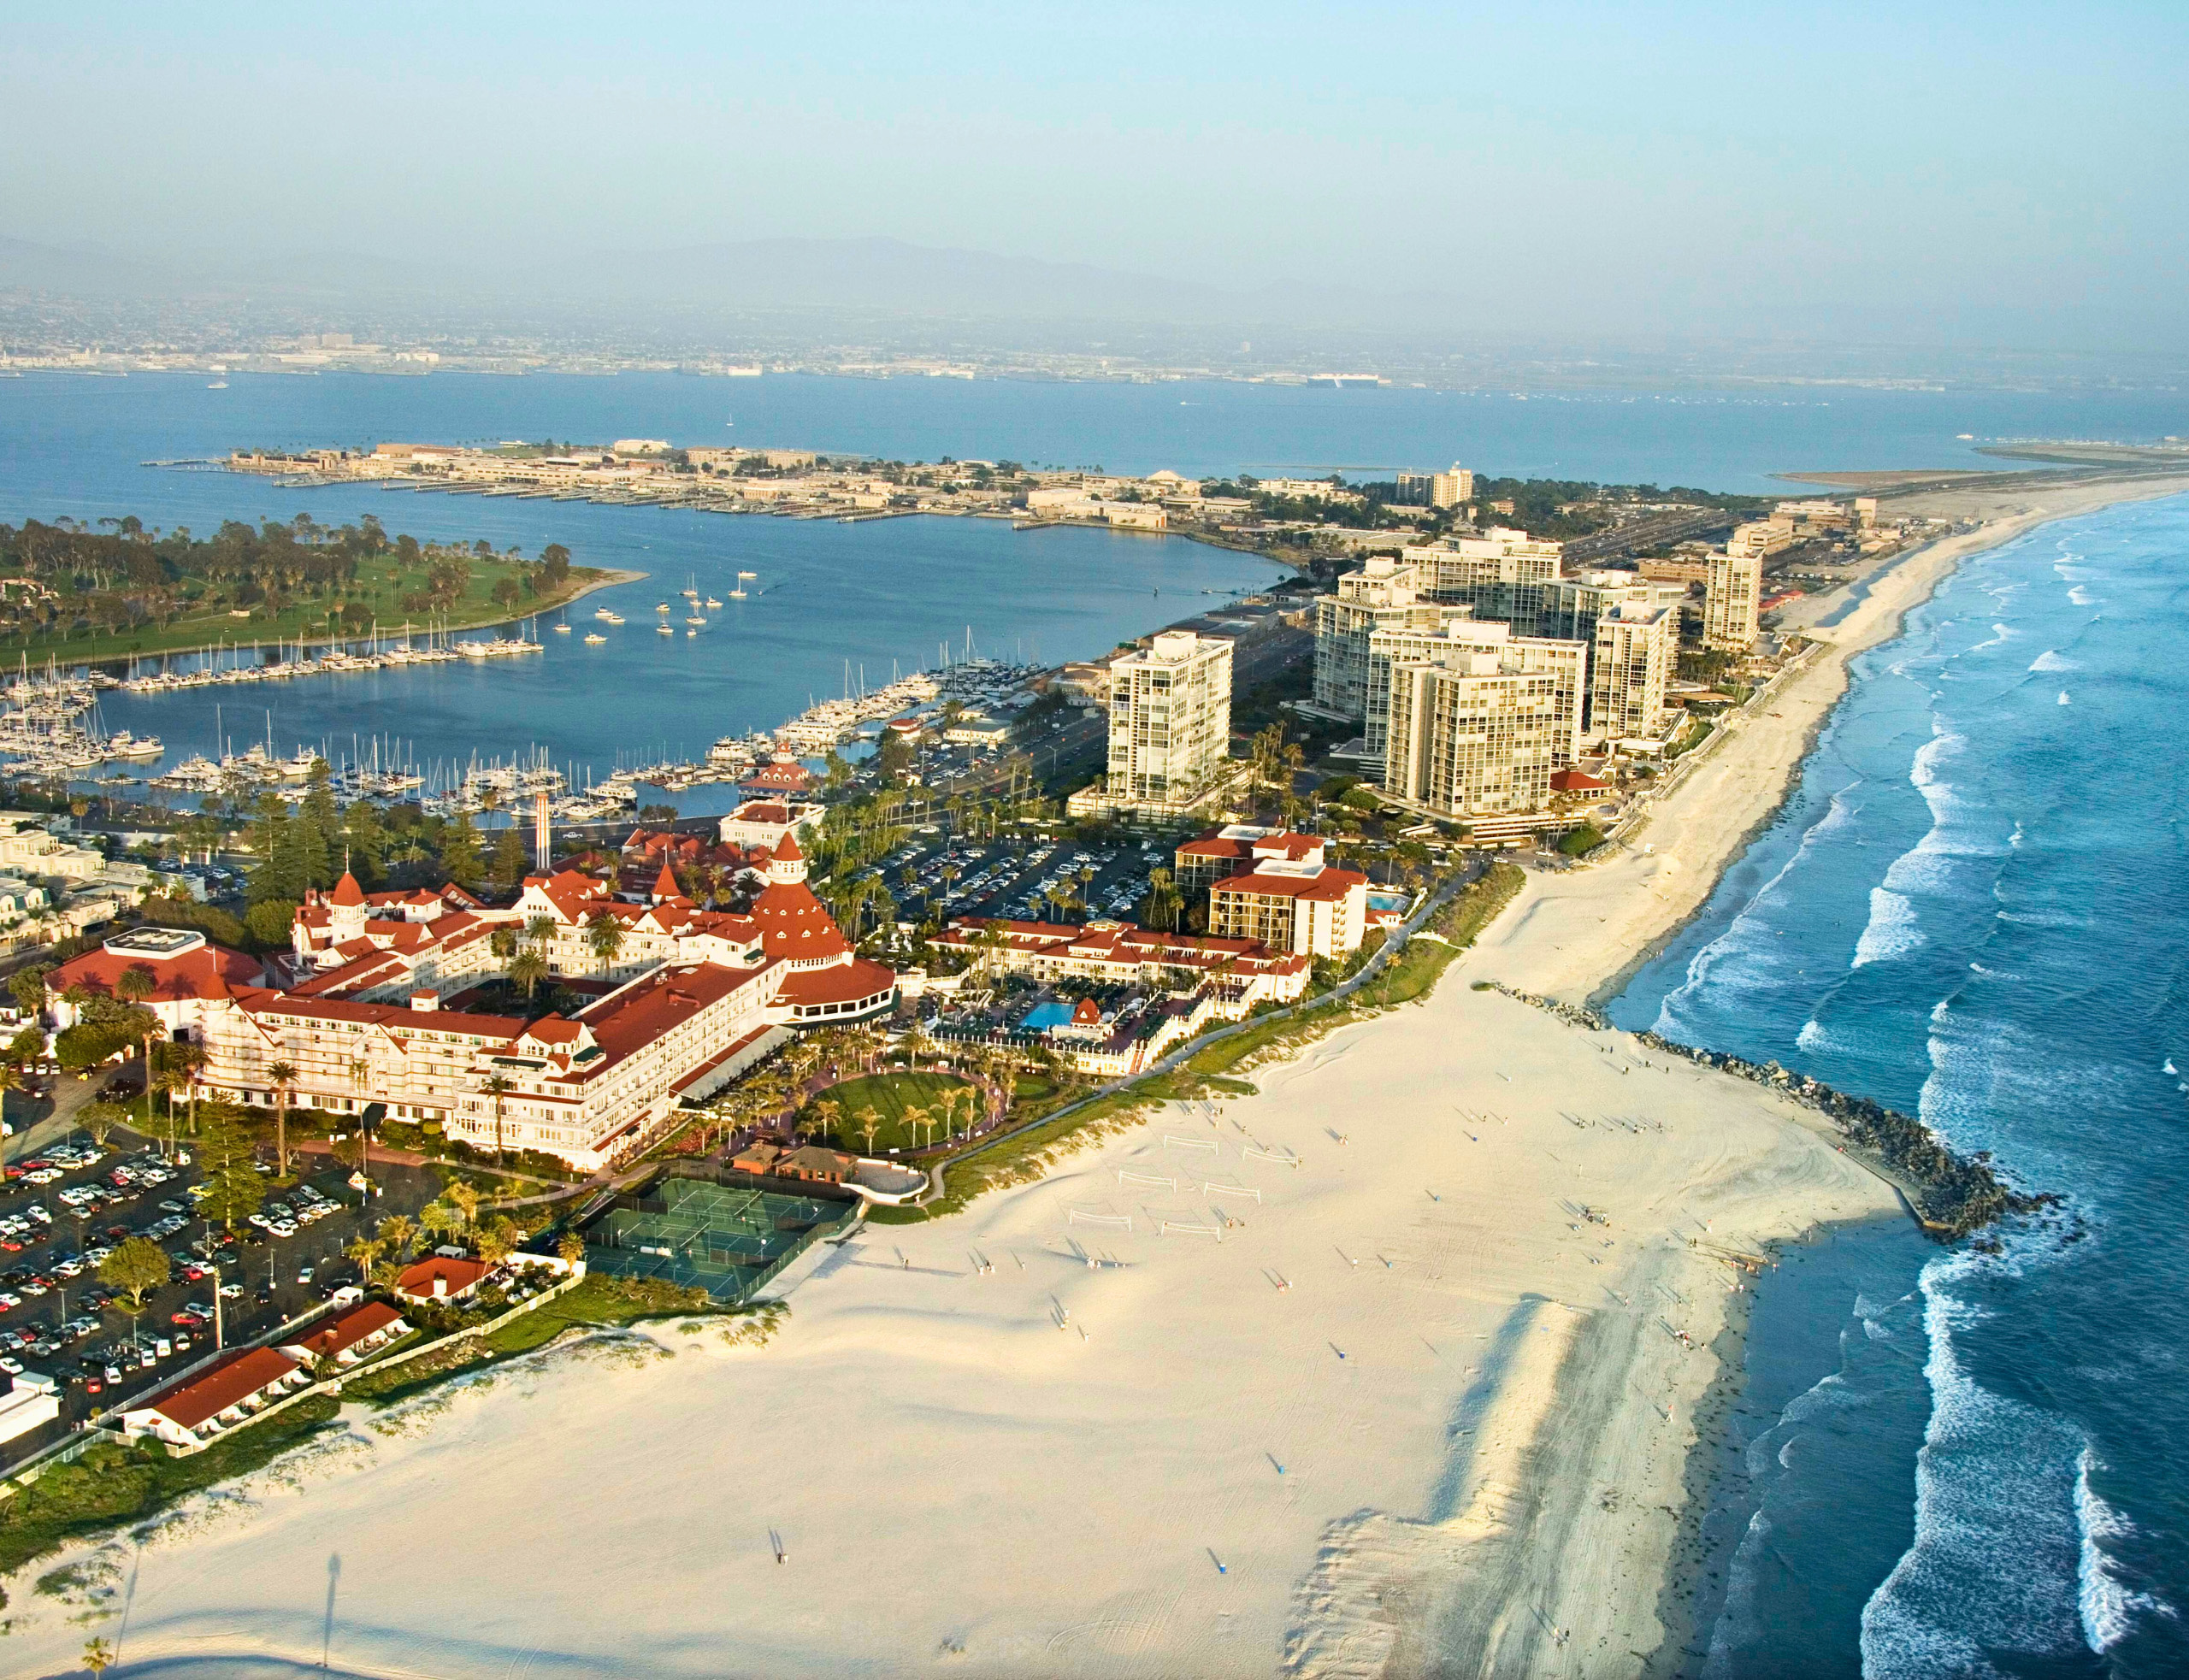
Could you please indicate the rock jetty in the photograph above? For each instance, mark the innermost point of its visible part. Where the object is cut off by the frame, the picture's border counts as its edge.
(1954, 1194)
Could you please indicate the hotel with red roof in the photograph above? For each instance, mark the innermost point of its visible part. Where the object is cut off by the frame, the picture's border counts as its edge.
(369, 1004)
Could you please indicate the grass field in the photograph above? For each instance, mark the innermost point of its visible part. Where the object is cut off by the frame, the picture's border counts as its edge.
(111, 1485)
(889, 1095)
(380, 587)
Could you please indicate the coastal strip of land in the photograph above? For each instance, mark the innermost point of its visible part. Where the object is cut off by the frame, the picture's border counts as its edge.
(1394, 1366)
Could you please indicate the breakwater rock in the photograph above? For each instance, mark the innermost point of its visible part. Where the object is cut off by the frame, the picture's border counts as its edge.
(1954, 1195)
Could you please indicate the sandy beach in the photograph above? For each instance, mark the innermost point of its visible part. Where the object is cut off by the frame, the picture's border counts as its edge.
(1392, 1368)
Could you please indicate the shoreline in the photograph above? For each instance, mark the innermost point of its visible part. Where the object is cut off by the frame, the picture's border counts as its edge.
(610, 578)
(1236, 1399)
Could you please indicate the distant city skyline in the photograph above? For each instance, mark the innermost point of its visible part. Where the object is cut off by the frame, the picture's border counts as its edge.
(1995, 177)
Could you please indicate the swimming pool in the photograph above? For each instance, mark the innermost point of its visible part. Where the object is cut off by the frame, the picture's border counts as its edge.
(1044, 1016)
(1387, 900)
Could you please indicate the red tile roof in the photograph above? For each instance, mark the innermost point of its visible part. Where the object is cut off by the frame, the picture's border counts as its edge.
(345, 1330)
(417, 1281)
(840, 983)
(1327, 886)
(232, 1381)
(208, 971)
(347, 892)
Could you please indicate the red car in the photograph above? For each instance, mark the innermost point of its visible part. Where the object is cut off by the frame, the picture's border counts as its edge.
(189, 1321)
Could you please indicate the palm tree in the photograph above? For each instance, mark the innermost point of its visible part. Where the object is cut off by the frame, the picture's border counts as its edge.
(830, 1112)
(539, 930)
(133, 987)
(604, 937)
(283, 1074)
(869, 1122)
(915, 1119)
(528, 969)
(496, 1086)
(397, 1231)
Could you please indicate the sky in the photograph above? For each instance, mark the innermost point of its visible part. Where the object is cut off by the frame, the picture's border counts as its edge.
(1940, 173)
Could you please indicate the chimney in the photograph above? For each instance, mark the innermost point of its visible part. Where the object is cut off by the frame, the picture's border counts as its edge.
(440, 1287)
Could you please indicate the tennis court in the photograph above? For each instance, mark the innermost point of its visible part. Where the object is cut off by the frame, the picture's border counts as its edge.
(726, 1240)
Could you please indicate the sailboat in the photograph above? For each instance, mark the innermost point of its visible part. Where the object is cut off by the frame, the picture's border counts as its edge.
(738, 593)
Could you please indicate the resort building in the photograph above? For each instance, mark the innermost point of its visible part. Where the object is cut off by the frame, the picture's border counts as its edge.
(1237, 848)
(1732, 591)
(1119, 953)
(1478, 727)
(1310, 909)
(348, 1337)
(761, 824)
(1170, 725)
(445, 1277)
(370, 1005)
(1636, 645)
(231, 1391)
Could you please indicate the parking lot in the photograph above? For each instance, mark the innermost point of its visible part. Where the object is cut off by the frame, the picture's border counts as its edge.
(1009, 878)
(64, 1209)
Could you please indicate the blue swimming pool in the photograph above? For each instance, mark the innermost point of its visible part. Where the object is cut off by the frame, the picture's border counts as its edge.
(1383, 900)
(1044, 1016)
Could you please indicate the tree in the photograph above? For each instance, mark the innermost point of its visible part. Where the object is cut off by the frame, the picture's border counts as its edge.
(284, 1075)
(366, 1252)
(224, 1150)
(604, 937)
(465, 1199)
(25, 1048)
(498, 1240)
(570, 1247)
(101, 1118)
(318, 826)
(510, 863)
(28, 987)
(134, 986)
(915, 1119)
(869, 1122)
(1164, 900)
(498, 1087)
(136, 1268)
(398, 1231)
(439, 1219)
(460, 859)
(830, 1112)
(98, 1655)
(528, 969)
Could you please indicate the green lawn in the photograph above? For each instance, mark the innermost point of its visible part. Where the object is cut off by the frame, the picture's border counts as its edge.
(889, 1094)
(112, 1485)
(380, 587)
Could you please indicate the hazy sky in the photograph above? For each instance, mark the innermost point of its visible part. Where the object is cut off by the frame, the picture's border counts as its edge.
(1926, 172)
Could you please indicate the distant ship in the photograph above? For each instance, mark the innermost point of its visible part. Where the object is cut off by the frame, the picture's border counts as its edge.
(593, 638)
(217, 385)
(695, 621)
(661, 606)
(664, 630)
(562, 629)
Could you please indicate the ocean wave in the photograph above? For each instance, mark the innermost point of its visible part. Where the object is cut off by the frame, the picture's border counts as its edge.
(2108, 1608)
(1994, 1558)
(1892, 931)
(2081, 597)
(2050, 660)
(2000, 633)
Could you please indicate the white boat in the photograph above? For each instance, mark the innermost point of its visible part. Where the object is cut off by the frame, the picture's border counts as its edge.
(661, 606)
(664, 629)
(127, 746)
(217, 385)
(594, 637)
(695, 621)
(712, 603)
(562, 629)
(602, 613)
(613, 618)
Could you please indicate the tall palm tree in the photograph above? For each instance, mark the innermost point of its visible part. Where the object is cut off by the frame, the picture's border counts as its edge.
(496, 1086)
(284, 1075)
(133, 987)
(869, 1122)
(604, 937)
(528, 969)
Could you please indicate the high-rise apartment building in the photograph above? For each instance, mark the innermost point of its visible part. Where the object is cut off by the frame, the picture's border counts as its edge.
(1635, 646)
(1731, 594)
(1169, 719)
(1382, 595)
(1480, 719)
(1452, 489)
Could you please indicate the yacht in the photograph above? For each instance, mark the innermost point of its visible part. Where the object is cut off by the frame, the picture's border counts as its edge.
(614, 617)
(713, 603)
(562, 629)
(661, 606)
(602, 613)
(593, 638)
(695, 621)
(664, 629)
(123, 745)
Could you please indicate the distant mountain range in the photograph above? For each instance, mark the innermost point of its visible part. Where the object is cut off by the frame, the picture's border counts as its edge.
(870, 276)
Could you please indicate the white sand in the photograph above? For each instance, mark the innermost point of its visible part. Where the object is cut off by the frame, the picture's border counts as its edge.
(1484, 1483)
(958, 1479)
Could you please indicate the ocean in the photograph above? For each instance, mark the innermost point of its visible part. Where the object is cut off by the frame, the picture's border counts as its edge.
(1955, 1462)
